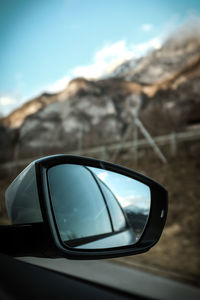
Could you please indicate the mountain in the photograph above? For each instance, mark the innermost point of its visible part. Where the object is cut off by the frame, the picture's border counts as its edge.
(93, 112)
(180, 51)
(17, 117)
(163, 87)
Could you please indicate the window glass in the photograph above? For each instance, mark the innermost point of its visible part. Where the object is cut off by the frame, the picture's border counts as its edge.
(78, 204)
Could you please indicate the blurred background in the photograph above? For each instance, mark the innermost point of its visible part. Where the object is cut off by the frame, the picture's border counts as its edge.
(115, 80)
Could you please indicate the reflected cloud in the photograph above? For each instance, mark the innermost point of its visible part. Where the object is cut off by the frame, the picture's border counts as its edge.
(102, 176)
(136, 202)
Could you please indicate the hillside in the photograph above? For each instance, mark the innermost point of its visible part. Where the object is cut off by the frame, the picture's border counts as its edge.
(163, 87)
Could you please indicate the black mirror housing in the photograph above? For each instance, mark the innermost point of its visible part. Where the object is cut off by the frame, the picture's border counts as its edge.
(29, 203)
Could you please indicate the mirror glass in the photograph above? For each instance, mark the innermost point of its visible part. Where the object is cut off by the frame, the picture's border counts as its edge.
(96, 208)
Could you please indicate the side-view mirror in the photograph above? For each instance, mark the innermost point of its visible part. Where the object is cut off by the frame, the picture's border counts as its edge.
(90, 208)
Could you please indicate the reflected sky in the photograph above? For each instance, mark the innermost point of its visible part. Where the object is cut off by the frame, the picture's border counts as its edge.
(129, 192)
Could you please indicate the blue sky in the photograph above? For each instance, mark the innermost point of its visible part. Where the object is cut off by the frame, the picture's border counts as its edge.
(45, 43)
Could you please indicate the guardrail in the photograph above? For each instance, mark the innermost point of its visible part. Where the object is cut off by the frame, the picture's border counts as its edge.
(172, 139)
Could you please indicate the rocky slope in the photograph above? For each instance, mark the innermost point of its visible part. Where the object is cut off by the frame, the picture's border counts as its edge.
(93, 113)
(180, 51)
(17, 117)
(164, 87)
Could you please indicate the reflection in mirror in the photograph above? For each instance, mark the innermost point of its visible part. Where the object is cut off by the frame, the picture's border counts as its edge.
(95, 208)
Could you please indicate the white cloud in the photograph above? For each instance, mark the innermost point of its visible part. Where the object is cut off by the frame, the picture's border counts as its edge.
(113, 52)
(143, 48)
(105, 60)
(110, 56)
(59, 85)
(7, 104)
(146, 27)
(6, 100)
